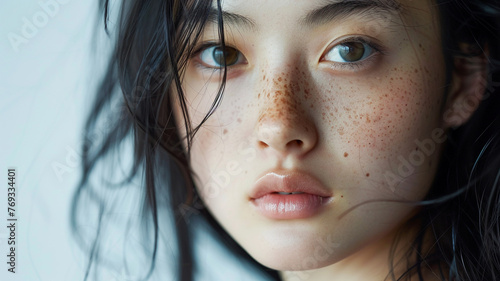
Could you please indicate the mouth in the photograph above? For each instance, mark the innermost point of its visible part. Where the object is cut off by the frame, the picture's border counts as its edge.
(289, 195)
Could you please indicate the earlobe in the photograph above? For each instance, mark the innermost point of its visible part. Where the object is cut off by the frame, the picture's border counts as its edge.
(468, 84)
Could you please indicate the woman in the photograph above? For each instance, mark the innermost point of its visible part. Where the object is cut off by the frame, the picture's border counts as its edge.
(323, 140)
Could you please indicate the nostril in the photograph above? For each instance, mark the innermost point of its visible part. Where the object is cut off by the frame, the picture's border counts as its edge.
(296, 143)
(263, 144)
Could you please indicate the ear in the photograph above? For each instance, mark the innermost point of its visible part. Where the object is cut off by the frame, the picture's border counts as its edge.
(468, 84)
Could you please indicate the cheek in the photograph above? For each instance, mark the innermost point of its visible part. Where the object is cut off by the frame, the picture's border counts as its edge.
(384, 128)
(401, 109)
(219, 158)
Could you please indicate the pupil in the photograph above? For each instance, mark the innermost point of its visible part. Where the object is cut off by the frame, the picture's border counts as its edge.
(231, 55)
(352, 51)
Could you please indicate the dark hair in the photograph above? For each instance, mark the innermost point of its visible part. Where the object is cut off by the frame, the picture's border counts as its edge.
(154, 41)
(462, 209)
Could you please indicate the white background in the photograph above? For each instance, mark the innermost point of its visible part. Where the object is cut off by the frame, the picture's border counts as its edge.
(45, 90)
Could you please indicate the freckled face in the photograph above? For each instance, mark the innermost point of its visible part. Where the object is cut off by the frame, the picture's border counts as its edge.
(348, 100)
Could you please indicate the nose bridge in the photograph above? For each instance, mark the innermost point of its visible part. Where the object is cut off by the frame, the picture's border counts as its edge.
(284, 123)
(282, 71)
(280, 95)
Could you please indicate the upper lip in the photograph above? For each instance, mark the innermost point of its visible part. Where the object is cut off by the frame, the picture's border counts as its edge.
(288, 181)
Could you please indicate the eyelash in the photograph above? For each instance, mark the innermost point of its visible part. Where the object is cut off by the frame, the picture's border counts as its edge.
(349, 66)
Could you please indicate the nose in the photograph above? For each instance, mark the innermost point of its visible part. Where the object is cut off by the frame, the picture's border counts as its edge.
(284, 125)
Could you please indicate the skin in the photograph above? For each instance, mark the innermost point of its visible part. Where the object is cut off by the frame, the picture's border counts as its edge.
(354, 125)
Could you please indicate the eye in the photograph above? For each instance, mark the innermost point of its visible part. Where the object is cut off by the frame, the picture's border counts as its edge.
(349, 52)
(213, 56)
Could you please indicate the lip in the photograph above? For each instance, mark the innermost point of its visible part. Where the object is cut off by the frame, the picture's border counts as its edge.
(312, 197)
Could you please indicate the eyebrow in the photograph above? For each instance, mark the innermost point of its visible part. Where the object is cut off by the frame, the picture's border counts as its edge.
(330, 11)
(345, 8)
(231, 19)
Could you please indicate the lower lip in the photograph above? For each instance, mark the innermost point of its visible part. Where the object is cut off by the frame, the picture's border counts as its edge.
(291, 206)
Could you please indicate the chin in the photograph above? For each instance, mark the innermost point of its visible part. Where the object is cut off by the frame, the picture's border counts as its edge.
(304, 252)
(291, 260)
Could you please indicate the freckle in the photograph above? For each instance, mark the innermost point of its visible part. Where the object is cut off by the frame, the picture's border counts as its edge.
(258, 96)
(367, 175)
(225, 131)
(342, 196)
(346, 154)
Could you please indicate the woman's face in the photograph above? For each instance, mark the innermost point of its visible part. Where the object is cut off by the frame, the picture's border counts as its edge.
(340, 101)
